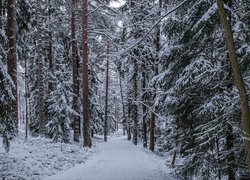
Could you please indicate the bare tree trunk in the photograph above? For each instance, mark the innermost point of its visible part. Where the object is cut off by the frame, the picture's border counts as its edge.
(85, 78)
(50, 48)
(40, 72)
(134, 104)
(26, 101)
(238, 79)
(106, 103)
(12, 58)
(123, 108)
(157, 46)
(230, 156)
(152, 133)
(129, 121)
(144, 108)
(75, 73)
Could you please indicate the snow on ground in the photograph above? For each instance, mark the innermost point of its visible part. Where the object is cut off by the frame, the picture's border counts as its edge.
(118, 159)
(39, 157)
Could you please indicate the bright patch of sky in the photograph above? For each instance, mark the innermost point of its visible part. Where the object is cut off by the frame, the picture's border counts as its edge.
(117, 3)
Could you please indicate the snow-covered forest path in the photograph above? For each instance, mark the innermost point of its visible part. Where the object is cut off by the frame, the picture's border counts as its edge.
(118, 159)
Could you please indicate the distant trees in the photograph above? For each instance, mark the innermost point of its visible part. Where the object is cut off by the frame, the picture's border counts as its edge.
(54, 98)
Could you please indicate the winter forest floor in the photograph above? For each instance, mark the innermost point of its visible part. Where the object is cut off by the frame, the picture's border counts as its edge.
(118, 159)
(39, 158)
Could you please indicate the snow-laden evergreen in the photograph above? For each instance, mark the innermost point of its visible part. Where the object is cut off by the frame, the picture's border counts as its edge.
(171, 85)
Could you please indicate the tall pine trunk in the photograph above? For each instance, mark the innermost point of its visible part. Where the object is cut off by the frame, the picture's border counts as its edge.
(75, 87)
(106, 103)
(50, 47)
(144, 108)
(12, 58)
(157, 46)
(85, 78)
(26, 101)
(124, 121)
(134, 104)
(129, 121)
(40, 71)
(238, 79)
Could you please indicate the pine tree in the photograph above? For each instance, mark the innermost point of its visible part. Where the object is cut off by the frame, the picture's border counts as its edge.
(6, 100)
(238, 78)
(60, 104)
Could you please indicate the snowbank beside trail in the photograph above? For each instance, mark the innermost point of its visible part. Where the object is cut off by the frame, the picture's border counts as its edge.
(39, 157)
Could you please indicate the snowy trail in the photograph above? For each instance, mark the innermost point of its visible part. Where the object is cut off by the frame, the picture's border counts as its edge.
(118, 159)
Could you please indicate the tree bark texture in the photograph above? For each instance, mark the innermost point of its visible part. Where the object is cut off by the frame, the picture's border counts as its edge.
(106, 103)
(123, 107)
(129, 121)
(144, 108)
(230, 156)
(238, 79)
(50, 48)
(157, 46)
(85, 78)
(12, 58)
(75, 87)
(134, 104)
(40, 70)
(26, 101)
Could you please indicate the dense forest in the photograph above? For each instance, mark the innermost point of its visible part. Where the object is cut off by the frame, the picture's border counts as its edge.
(174, 74)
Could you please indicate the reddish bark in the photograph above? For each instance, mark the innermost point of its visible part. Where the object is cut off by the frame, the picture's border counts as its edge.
(85, 91)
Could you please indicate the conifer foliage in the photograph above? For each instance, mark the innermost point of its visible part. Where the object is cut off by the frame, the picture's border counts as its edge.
(172, 74)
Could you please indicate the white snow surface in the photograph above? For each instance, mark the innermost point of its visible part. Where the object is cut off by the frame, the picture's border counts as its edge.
(118, 159)
(39, 157)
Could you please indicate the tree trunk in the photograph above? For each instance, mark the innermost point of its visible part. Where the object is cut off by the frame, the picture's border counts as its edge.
(75, 87)
(106, 103)
(230, 156)
(152, 133)
(128, 122)
(123, 108)
(50, 48)
(26, 101)
(12, 58)
(157, 46)
(238, 78)
(144, 108)
(85, 91)
(134, 104)
(40, 72)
